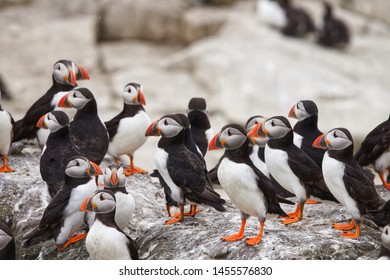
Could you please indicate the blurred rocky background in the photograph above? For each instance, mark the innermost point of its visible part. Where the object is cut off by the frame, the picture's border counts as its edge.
(222, 50)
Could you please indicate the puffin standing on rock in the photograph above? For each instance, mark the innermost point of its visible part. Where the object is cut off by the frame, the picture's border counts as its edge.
(65, 74)
(348, 182)
(182, 168)
(248, 188)
(6, 125)
(58, 150)
(62, 218)
(291, 167)
(86, 131)
(127, 129)
(105, 240)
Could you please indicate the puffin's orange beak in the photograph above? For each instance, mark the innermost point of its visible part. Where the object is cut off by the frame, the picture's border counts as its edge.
(114, 178)
(94, 170)
(41, 122)
(258, 132)
(216, 143)
(64, 102)
(86, 206)
(141, 97)
(82, 74)
(153, 129)
(320, 142)
(71, 78)
(292, 113)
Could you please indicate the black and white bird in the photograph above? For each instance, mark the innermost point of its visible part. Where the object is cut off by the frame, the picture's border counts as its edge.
(347, 180)
(7, 242)
(62, 218)
(115, 181)
(87, 131)
(248, 188)
(306, 129)
(127, 129)
(384, 253)
(6, 125)
(58, 150)
(183, 170)
(291, 167)
(201, 130)
(374, 151)
(334, 32)
(105, 240)
(65, 74)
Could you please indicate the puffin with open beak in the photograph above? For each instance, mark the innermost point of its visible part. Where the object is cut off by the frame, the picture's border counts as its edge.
(291, 167)
(347, 180)
(246, 186)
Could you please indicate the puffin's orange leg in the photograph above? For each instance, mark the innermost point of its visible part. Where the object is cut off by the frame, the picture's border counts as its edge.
(312, 201)
(349, 226)
(256, 240)
(293, 219)
(237, 236)
(350, 234)
(192, 211)
(5, 168)
(117, 162)
(168, 210)
(132, 169)
(177, 217)
(384, 182)
(74, 239)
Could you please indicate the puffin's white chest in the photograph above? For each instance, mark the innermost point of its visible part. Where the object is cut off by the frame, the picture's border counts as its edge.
(5, 132)
(130, 134)
(297, 140)
(260, 165)
(125, 207)
(239, 182)
(106, 243)
(333, 171)
(277, 163)
(383, 162)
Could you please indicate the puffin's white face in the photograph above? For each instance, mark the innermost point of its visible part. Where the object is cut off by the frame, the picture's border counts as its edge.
(386, 237)
(77, 99)
(52, 122)
(337, 140)
(114, 177)
(232, 138)
(103, 202)
(169, 127)
(62, 74)
(275, 128)
(132, 95)
(4, 239)
(300, 111)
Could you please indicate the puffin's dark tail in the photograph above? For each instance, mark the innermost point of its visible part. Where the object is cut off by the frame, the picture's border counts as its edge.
(209, 197)
(36, 236)
(20, 131)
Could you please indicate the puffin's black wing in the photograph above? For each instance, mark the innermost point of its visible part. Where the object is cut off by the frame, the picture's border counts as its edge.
(303, 166)
(52, 215)
(112, 125)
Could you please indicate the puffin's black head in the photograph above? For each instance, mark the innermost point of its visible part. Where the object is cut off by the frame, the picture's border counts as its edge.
(81, 167)
(76, 98)
(53, 120)
(231, 136)
(336, 139)
(253, 121)
(168, 126)
(197, 103)
(133, 95)
(303, 109)
(102, 201)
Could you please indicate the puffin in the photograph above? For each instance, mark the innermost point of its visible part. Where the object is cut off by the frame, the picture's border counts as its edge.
(299, 22)
(64, 76)
(7, 242)
(384, 253)
(115, 181)
(127, 129)
(182, 168)
(291, 167)
(248, 188)
(86, 130)
(57, 151)
(374, 151)
(169, 202)
(306, 128)
(347, 180)
(6, 124)
(105, 240)
(201, 130)
(334, 32)
(62, 218)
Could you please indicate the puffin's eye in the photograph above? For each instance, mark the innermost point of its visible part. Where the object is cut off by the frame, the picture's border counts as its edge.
(335, 134)
(165, 122)
(229, 132)
(273, 123)
(101, 197)
(129, 90)
(77, 163)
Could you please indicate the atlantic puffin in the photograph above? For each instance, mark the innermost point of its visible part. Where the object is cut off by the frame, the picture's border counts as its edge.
(291, 167)
(375, 151)
(306, 128)
(127, 129)
(299, 22)
(6, 125)
(64, 76)
(105, 240)
(62, 218)
(201, 130)
(115, 181)
(181, 168)
(347, 180)
(248, 188)
(384, 253)
(87, 131)
(57, 151)
(334, 31)
(7, 242)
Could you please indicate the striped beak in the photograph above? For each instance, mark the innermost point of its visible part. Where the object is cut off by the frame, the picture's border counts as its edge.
(41, 122)
(87, 205)
(64, 102)
(320, 142)
(292, 113)
(82, 74)
(216, 143)
(153, 129)
(93, 169)
(258, 132)
(140, 97)
(71, 78)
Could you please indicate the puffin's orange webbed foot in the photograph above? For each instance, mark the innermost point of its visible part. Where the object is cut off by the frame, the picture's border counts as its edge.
(72, 240)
